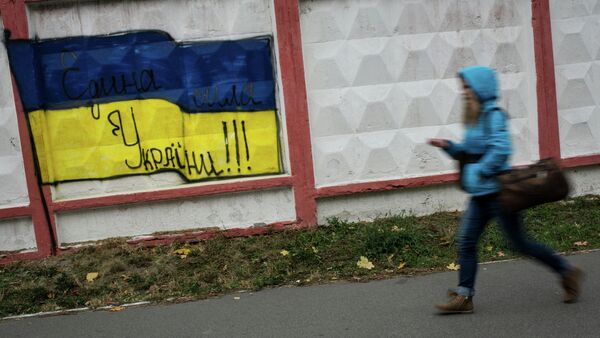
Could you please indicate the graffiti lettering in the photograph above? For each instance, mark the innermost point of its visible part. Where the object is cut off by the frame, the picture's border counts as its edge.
(120, 84)
(169, 157)
(117, 123)
(157, 158)
(209, 97)
(140, 102)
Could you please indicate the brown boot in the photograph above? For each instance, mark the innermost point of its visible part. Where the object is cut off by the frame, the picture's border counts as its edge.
(571, 282)
(458, 304)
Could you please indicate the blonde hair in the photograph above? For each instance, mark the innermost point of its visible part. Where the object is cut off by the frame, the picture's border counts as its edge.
(471, 110)
(471, 105)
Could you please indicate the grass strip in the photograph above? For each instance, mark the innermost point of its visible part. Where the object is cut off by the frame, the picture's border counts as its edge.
(399, 245)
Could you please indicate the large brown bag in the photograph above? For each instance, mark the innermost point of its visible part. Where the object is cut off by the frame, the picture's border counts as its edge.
(535, 184)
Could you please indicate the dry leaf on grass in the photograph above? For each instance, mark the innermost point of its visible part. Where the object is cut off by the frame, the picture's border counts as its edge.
(364, 263)
(489, 248)
(453, 266)
(183, 253)
(581, 243)
(91, 276)
(401, 265)
(284, 252)
(501, 254)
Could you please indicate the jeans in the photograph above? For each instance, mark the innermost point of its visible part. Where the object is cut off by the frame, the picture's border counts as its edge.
(479, 212)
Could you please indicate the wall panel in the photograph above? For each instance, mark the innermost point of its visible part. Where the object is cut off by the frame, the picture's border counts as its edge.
(575, 29)
(381, 80)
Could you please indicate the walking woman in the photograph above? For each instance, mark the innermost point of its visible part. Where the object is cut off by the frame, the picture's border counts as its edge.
(483, 154)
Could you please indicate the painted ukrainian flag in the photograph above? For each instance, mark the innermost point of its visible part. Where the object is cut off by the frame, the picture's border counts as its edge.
(139, 103)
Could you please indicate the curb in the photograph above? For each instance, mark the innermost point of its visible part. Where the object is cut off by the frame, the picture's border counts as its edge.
(81, 309)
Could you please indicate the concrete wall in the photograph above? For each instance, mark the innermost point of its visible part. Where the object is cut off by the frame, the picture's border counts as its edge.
(575, 28)
(15, 234)
(380, 79)
(184, 20)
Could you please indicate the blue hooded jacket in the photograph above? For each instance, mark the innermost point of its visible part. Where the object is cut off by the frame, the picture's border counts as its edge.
(488, 137)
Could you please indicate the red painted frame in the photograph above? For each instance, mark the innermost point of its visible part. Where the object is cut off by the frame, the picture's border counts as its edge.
(548, 129)
(548, 137)
(289, 42)
(14, 17)
(301, 179)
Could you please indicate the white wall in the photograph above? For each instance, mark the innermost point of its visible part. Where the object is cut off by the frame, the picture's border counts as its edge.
(13, 186)
(576, 43)
(15, 234)
(381, 80)
(184, 20)
(225, 211)
(410, 201)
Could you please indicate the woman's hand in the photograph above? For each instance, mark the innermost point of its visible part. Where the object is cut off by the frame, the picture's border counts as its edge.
(438, 142)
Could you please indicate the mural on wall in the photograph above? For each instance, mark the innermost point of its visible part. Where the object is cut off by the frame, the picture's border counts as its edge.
(140, 102)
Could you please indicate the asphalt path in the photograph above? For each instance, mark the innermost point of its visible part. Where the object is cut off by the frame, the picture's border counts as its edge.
(514, 299)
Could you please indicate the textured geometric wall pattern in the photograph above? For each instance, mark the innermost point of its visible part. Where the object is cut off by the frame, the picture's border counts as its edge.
(13, 186)
(381, 80)
(576, 42)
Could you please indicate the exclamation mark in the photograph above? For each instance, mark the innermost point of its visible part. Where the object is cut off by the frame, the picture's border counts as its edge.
(237, 145)
(246, 143)
(95, 116)
(225, 135)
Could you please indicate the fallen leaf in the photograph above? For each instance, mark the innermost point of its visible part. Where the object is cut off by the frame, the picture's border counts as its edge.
(453, 266)
(395, 228)
(182, 252)
(116, 308)
(401, 265)
(315, 250)
(364, 263)
(389, 270)
(389, 258)
(501, 254)
(581, 243)
(284, 252)
(91, 276)
(489, 248)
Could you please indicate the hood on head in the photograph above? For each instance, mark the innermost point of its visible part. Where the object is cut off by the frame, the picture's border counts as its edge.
(482, 81)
